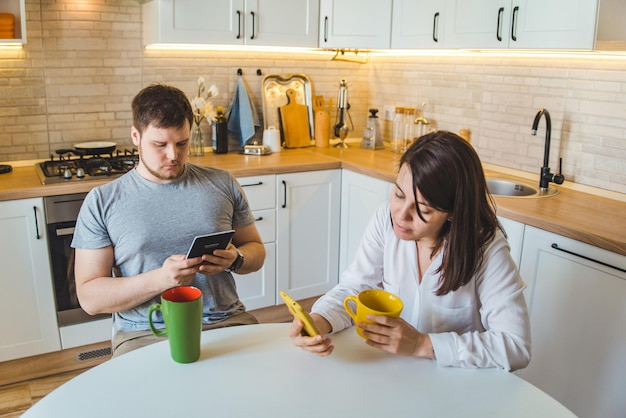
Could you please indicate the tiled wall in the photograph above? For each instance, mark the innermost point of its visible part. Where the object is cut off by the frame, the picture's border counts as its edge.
(497, 99)
(83, 63)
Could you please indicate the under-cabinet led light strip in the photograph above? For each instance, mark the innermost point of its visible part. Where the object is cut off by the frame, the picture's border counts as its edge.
(400, 52)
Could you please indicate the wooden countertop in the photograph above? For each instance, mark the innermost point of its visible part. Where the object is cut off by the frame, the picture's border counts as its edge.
(595, 220)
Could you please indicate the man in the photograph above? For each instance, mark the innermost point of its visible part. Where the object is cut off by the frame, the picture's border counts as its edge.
(132, 234)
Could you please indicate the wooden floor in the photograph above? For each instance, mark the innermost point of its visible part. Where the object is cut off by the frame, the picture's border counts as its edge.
(19, 395)
(17, 398)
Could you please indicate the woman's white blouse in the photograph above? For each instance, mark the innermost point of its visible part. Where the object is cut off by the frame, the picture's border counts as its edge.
(482, 324)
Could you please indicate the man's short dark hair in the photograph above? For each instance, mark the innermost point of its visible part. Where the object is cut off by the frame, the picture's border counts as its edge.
(161, 106)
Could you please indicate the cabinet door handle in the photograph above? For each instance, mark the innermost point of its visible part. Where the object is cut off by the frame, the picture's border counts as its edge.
(252, 184)
(253, 16)
(326, 29)
(556, 247)
(284, 205)
(37, 235)
(238, 24)
(435, 27)
(260, 218)
(514, 23)
(499, 27)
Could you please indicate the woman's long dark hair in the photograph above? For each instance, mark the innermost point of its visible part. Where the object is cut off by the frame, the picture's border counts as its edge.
(447, 172)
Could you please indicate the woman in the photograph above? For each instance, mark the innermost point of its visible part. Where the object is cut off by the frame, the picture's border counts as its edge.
(437, 244)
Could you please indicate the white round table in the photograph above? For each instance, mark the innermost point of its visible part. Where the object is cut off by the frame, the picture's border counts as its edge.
(255, 371)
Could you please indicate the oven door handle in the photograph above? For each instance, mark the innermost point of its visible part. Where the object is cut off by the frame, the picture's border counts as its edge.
(61, 232)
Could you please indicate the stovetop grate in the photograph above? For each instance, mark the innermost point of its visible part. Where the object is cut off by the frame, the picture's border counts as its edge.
(66, 168)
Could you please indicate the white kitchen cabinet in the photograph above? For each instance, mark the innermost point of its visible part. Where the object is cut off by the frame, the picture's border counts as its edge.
(536, 24)
(611, 28)
(258, 289)
(297, 216)
(553, 24)
(232, 22)
(28, 318)
(515, 235)
(418, 24)
(478, 23)
(307, 234)
(361, 195)
(17, 9)
(355, 24)
(578, 312)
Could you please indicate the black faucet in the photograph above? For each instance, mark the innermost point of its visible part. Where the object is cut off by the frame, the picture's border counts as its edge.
(546, 176)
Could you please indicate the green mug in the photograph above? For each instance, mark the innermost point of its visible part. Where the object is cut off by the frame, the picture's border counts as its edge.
(182, 311)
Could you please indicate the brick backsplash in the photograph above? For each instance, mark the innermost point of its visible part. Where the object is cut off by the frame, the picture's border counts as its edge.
(75, 78)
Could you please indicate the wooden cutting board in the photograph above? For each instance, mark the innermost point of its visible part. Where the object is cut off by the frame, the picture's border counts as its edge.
(294, 122)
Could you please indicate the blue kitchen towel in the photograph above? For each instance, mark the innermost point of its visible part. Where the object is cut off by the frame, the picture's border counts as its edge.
(242, 116)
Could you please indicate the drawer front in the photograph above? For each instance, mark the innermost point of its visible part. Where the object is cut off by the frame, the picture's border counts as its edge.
(266, 224)
(258, 290)
(260, 190)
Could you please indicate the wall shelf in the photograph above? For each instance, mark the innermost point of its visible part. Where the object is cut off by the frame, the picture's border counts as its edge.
(18, 9)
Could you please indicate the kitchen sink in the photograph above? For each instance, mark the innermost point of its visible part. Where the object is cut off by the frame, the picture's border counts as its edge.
(509, 188)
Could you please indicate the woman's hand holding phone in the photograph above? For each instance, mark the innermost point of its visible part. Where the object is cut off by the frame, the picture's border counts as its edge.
(319, 344)
(299, 313)
(304, 330)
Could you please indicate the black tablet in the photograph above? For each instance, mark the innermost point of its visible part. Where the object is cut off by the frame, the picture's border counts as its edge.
(205, 244)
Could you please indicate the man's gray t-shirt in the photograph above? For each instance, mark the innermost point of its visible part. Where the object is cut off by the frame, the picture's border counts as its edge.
(147, 222)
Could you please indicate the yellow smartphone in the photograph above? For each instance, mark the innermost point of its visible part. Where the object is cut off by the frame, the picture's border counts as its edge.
(299, 313)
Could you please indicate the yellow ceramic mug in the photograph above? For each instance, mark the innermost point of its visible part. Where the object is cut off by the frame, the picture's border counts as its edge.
(375, 302)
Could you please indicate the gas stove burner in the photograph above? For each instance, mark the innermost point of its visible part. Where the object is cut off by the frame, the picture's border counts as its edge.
(69, 166)
(124, 163)
(98, 167)
(58, 168)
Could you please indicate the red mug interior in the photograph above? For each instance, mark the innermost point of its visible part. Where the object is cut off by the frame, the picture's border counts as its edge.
(182, 294)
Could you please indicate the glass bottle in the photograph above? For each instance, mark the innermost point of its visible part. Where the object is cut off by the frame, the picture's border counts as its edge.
(409, 133)
(220, 132)
(397, 139)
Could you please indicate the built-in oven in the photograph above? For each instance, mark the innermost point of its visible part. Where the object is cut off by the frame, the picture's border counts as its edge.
(61, 213)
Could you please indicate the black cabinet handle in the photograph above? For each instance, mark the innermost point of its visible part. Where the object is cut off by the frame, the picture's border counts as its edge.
(556, 247)
(37, 235)
(499, 27)
(238, 24)
(284, 194)
(514, 23)
(253, 16)
(435, 27)
(260, 218)
(252, 184)
(326, 29)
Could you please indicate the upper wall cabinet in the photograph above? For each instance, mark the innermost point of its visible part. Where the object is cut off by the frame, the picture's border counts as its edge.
(355, 24)
(18, 10)
(232, 22)
(611, 33)
(529, 24)
(418, 24)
